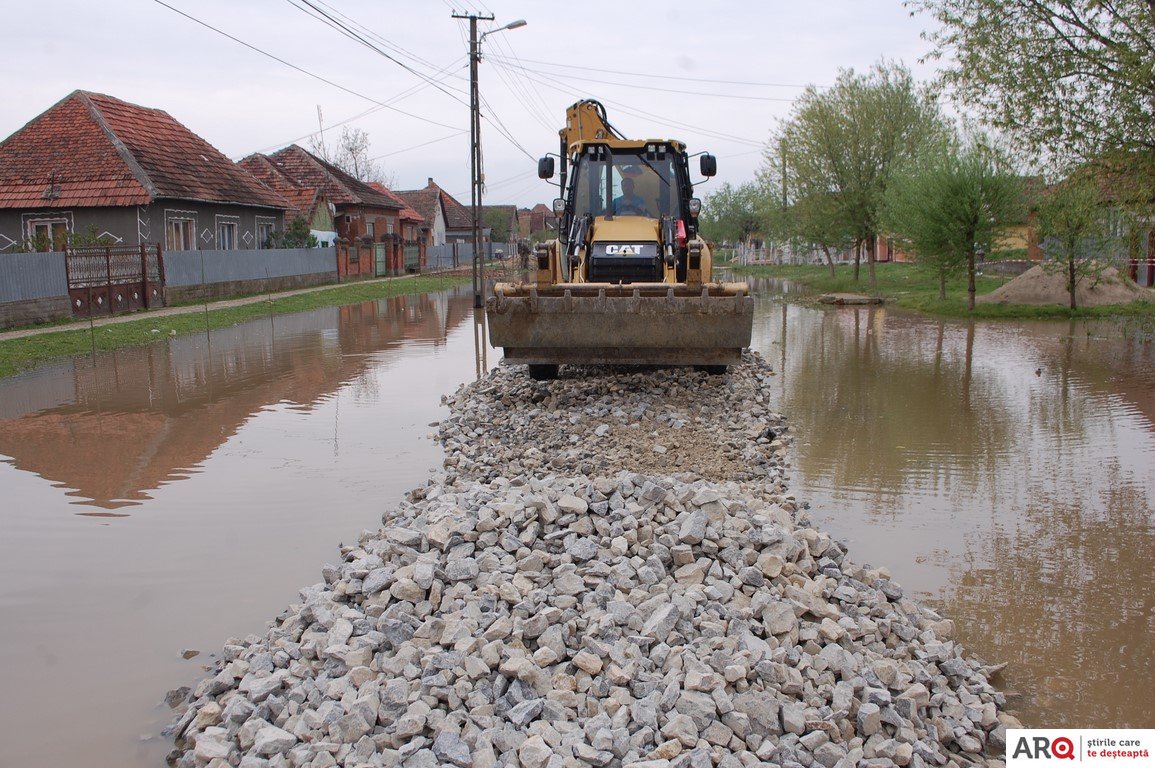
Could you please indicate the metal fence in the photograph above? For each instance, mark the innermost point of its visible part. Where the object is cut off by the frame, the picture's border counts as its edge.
(453, 255)
(27, 276)
(188, 268)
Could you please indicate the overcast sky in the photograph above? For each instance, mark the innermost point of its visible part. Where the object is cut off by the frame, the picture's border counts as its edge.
(728, 71)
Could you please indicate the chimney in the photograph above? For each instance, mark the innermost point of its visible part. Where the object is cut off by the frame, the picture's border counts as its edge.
(430, 184)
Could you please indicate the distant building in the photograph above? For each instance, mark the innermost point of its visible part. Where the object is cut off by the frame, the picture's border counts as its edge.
(458, 220)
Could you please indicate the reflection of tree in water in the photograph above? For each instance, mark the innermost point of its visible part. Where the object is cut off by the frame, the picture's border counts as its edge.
(890, 414)
(1069, 600)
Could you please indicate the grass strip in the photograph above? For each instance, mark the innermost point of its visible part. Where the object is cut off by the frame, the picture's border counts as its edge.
(910, 287)
(19, 354)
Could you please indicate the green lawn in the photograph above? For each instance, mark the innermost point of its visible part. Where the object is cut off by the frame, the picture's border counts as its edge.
(18, 354)
(909, 287)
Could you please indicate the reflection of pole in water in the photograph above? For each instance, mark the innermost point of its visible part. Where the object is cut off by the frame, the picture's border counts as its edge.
(480, 347)
(782, 364)
(336, 423)
(969, 360)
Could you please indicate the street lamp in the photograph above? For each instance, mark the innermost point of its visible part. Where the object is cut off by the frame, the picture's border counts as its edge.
(475, 145)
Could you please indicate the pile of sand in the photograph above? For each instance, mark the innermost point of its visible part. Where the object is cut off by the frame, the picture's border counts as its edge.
(1040, 286)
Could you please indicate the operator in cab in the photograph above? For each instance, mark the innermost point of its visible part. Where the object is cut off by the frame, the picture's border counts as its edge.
(630, 203)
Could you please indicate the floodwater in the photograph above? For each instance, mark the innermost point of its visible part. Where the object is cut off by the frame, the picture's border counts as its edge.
(169, 497)
(1004, 472)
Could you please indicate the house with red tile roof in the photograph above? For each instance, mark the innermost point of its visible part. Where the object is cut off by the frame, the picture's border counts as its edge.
(129, 174)
(367, 220)
(538, 219)
(458, 219)
(427, 202)
(306, 202)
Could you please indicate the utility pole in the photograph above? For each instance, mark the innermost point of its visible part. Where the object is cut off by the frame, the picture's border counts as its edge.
(477, 174)
(475, 155)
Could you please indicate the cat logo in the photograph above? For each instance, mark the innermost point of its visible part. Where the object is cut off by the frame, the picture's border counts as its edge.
(623, 250)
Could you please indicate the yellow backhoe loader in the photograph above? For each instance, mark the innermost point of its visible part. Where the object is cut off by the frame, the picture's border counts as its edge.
(628, 280)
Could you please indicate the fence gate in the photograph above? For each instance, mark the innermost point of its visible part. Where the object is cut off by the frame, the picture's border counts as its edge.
(412, 258)
(104, 280)
(380, 263)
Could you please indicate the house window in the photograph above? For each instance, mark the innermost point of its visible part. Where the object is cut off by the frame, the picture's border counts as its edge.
(180, 235)
(389, 226)
(369, 228)
(265, 231)
(226, 235)
(48, 234)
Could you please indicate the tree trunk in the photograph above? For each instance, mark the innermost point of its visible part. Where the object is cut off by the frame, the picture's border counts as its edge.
(857, 258)
(871, 246)
(971, 280)
(1071, 276)
(942, 286)
(829, 261)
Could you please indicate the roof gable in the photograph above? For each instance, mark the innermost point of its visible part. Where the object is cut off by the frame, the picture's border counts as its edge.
(408, 213)
(302, 200)
(457, 216)
(66, 157)
(427, 203)
(95, 150)
(306, 169)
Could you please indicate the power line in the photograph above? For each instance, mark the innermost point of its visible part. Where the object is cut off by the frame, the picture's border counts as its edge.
(648, 115)
(329, 20)
(499, 126)
(681, 91)
(388, 44)
(418, 146)
(667, 77)
(531, 101)
(303, 71)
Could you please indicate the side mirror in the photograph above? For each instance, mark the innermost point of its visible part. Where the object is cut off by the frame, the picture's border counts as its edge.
(708, 165)
(558, 203)
(545, 168)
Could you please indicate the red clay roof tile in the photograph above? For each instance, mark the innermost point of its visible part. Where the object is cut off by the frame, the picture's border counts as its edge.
(95, 150)
(308, 170)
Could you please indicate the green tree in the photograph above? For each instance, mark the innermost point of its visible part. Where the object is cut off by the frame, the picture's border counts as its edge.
(730, 214)
(498, 222)
(1072, 221)
(296, 235)
(1070, 79)
(840, 145)
(951, 200)
(809, 220)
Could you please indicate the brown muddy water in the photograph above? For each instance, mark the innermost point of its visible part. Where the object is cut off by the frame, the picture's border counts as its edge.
(169, 497)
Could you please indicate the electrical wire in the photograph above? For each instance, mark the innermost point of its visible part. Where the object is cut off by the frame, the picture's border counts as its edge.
(500, 126)
(324, 17)
(521, 89)
(680, 91)
(562, 87)
(303, 71)
(418, 146)
(666, 77)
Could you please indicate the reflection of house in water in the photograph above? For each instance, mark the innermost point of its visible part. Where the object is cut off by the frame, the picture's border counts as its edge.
(138, 418)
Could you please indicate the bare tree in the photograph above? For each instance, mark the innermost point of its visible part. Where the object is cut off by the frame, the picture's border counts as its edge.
(352, 155)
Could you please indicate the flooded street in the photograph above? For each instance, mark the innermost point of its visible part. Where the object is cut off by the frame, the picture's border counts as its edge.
(1004, 472)
(171, 496)
(165, 498)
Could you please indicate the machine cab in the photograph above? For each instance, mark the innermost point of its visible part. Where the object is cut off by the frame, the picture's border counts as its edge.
(627, 212)
(647, 180)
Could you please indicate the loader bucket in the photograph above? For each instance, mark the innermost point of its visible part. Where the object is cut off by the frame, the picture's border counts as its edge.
(633, 324)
